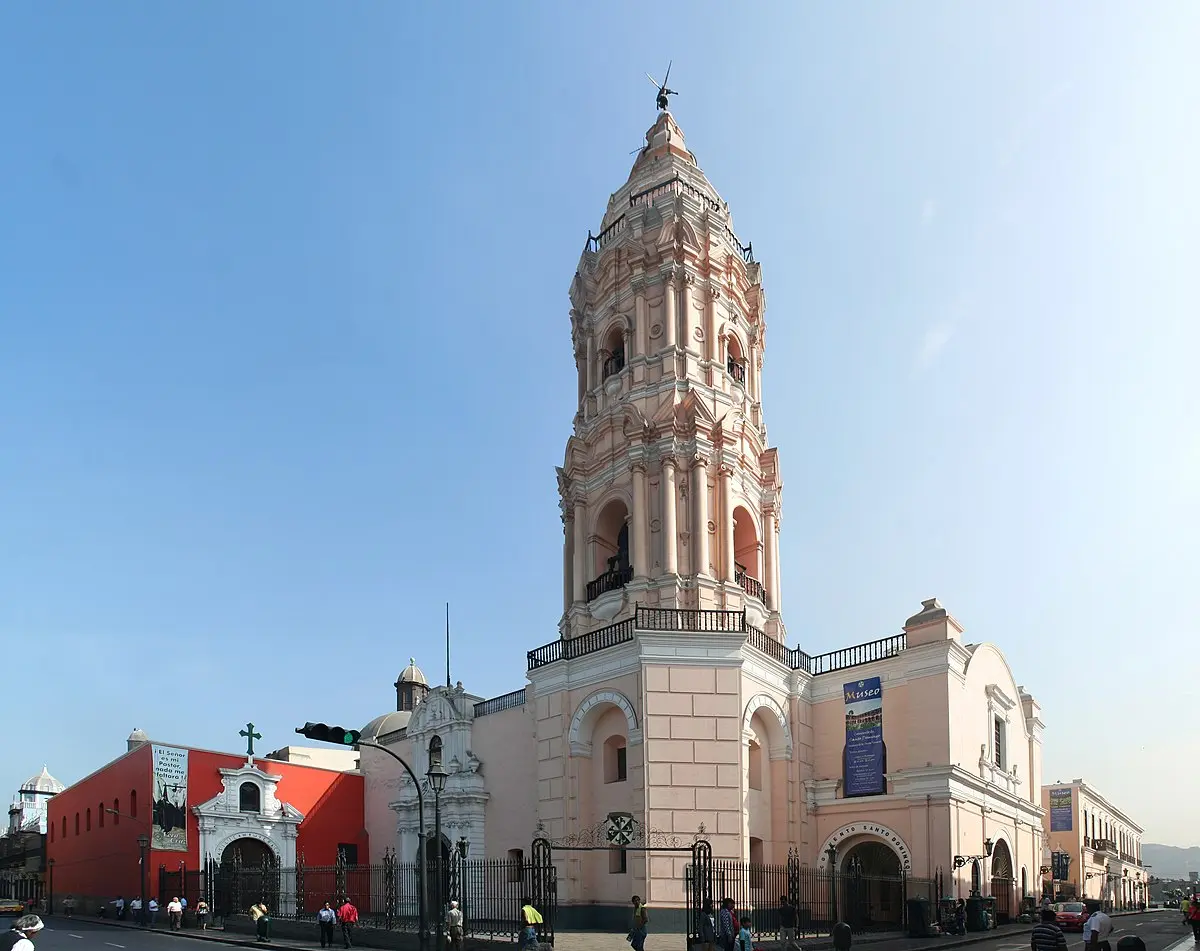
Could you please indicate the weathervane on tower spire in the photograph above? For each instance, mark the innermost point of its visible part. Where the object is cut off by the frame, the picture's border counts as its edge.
(663, 92)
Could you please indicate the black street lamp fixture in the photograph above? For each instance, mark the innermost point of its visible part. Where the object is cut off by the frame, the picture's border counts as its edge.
(50, 902)
(143, 842)
(463, 847)
(437, 776)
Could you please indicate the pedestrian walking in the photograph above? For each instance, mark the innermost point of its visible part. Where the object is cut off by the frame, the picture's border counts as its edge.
(153, 911)
(708, 925)
(787, 921)
(745, 938)
(175, 913)
(183, 905)
(641, 918)
(348, 916)
(135, 909)
(119, 906)
(1096, 931)
(20, 938)
(727, 925)
(325, 919)
(202, 914)
(1193, 919)
(454, 923)
(1048, 936)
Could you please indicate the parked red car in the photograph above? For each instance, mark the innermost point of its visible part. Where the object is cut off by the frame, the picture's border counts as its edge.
(1070, 915)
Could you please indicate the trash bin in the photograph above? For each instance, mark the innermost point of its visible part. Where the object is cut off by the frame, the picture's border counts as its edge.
(918, 917)
(976, 919)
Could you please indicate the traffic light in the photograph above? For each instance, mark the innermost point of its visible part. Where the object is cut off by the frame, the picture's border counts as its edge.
(329, 734)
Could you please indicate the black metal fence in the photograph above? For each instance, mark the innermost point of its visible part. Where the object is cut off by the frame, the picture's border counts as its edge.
(771, 894)
(387, 895)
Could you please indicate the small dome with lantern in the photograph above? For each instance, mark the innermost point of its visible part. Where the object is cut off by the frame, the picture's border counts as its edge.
(42, 783)
(411, 688)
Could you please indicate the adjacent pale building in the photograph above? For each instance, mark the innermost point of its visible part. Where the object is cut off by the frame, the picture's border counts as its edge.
(1101, 844)
(669, 709)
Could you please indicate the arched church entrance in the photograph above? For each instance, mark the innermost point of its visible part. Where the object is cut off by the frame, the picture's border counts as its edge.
(873, 886)
(1002, 882)
(248, 873)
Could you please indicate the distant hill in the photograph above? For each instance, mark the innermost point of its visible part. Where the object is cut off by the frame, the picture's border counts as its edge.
(1170, 861)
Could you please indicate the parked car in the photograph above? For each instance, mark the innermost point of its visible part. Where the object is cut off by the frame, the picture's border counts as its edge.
(12, 906)
(1070, 915)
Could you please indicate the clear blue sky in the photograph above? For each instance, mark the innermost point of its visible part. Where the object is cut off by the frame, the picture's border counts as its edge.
(279, 282)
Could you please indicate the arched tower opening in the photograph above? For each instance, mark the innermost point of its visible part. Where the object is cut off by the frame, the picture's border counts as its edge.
(747, 554)
(611, 565)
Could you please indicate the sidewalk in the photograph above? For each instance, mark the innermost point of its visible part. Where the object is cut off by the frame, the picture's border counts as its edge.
(610, 941)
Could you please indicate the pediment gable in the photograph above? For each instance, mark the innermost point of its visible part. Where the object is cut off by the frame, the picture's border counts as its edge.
(227, 802)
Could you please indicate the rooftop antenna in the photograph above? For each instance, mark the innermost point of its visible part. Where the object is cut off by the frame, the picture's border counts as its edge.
(663, 92)
(447, 645)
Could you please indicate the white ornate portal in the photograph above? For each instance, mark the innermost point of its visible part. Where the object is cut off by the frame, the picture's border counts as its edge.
(248, 808)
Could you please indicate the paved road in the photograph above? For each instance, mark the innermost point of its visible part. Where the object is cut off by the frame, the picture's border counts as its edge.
(1159, 929)
(79, 934)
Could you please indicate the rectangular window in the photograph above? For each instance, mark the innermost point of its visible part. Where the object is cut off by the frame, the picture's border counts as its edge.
(516, 864)
(618, 860)
(999, 754)
(622, 768)
(348, 853)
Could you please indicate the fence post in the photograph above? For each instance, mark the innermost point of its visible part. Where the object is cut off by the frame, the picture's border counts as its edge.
(389, 888)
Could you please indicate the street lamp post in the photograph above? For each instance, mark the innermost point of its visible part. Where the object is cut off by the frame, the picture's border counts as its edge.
(437, 779)
(143, 845)
(50, 888)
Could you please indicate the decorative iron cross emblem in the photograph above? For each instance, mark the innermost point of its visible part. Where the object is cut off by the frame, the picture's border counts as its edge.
(620, 829)
(250, 736)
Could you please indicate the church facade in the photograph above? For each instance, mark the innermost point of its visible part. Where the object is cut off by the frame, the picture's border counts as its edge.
(670, 708)
(193, 809)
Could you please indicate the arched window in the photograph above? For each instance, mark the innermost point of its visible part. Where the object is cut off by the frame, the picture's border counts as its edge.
(116, 812)
(51, 831)
(88, 820)
(77, 823)
(614, 350)
(249, 798)
(64, 829)
(133, 803)
(616, 766)
(100, 815)
(735, 363)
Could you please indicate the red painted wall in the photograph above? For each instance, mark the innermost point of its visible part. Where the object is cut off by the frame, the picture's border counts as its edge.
(101, 863)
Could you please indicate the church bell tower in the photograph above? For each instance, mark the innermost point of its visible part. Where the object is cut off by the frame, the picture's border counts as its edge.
(670, 493)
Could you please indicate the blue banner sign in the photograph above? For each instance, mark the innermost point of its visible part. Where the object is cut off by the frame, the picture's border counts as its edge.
(1062, 810)
(864, 738)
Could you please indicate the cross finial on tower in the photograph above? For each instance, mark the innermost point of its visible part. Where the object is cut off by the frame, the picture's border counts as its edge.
(250, 736)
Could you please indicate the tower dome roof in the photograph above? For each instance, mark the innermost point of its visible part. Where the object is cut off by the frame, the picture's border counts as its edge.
(385, 723)
(43, 782)
(139, 736)
(412, 675)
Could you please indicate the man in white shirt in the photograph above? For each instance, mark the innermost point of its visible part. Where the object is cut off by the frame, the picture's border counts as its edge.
(175, 913)
(1096, 931)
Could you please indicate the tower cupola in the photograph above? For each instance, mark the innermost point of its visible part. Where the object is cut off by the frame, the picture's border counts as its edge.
(669, 489)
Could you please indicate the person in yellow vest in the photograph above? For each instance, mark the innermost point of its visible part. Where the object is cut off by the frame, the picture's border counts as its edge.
(530, 919)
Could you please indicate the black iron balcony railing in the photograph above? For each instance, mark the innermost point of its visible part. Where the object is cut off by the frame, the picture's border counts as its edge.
(499, 704)
(714, 622)
(614, 364)
(1103, 845)
(752, 586)
(612, 580)
(737, 371)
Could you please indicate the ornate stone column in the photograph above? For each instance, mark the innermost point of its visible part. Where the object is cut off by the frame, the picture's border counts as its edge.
(700, 516)
(726, 534)
(771, 558)
(670, 320)
(579, 573)
(641, 328)
(641, 522)
(689, 298)
(591, 359)
(710, 323)
(568, 519)
(670, 534)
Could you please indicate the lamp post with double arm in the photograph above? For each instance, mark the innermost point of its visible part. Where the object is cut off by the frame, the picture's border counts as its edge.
(437, 776)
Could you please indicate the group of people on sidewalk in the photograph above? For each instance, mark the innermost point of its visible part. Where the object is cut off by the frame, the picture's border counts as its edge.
(1048, 936)
(346, 916)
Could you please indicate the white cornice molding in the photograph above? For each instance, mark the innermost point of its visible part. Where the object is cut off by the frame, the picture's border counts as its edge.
(1000, 698)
